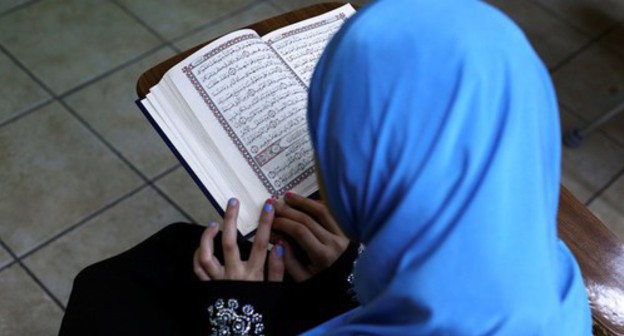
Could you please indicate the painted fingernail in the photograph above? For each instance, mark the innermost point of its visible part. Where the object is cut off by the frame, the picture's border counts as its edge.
(288, 194)
(268, 207)
(232, 202)
(270, 201)
(212, 224)
(279, 250)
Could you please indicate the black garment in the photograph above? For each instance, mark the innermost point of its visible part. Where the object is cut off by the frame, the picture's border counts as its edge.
(151, 290)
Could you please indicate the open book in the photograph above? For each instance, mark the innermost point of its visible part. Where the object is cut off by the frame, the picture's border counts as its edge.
(234, 113)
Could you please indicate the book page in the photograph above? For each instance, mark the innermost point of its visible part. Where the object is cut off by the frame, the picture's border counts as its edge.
(302, 43)
(236, 112)
(258, 102)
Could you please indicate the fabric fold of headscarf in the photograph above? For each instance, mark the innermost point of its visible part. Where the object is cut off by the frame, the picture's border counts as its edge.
(437, 136)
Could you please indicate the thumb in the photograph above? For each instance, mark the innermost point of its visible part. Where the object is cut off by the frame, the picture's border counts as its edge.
(276, 263)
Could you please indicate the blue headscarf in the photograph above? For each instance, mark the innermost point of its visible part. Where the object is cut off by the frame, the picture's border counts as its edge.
(437, 136)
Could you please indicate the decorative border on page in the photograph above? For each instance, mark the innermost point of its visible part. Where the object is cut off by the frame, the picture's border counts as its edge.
(226, 126)
(339, 16)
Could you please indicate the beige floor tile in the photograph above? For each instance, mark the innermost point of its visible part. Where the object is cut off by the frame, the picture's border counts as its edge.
(252, 15)
(553, 39)
(289, 5)
(591, 166)
(609, 207)
(165, 15)
(112, 232)
(5, 5)
(108, 106)
(182, 190)
(21, 94)
(592, 83)
(67, 42)
(25, 308)
(594, 17)
(54, 172)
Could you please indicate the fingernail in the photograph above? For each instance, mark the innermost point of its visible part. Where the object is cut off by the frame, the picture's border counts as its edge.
(268, 207)
(288, 194)
(270, 201)
(212, 224)
(279, 250)
(232, 201)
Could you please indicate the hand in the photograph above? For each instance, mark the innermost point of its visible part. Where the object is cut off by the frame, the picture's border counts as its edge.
(207, 266)
(311, 225)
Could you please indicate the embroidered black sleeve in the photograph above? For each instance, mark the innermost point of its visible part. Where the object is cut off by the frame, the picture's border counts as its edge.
(324, 296)
(227, 317)
(285, 308)
(241, 308)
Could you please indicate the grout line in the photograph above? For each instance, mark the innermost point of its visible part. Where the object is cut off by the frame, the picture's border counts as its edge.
(584, 122)
(110, 147)
(59, 98)
(42, 285)
(152, 183)
(18, 7)
(19, 260)
(146, 26)
(610, 137)
(11, 253)
(610, 46)
(131, 61)
(9, 264)
(75, 114)
(100, 211)
(103, 140)
(167, 198)
(563, 18)
(173, 204)
(20, 65)
(82, 221)
(217, 20)
(164, 173)
(583, 48)
(29, 110)
(110, 72)
(605, 187)
(107, 144)
(54, 97)
(16, 260)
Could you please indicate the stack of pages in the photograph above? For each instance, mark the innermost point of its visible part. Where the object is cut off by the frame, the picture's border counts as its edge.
(234, 113)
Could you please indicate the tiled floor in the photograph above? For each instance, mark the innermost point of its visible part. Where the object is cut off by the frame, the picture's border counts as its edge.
(84, 176)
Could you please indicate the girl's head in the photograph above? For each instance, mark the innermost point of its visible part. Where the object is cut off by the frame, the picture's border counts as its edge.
(416, 109)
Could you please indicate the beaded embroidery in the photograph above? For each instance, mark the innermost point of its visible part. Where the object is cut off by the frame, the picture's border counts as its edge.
(227, 320)
(351, 290)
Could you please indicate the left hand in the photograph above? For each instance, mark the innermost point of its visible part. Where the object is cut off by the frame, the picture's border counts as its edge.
(312, 226)
(207, 266)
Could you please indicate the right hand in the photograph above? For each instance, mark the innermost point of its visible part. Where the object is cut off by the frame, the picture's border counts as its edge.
(311, 225)
(207, 267)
